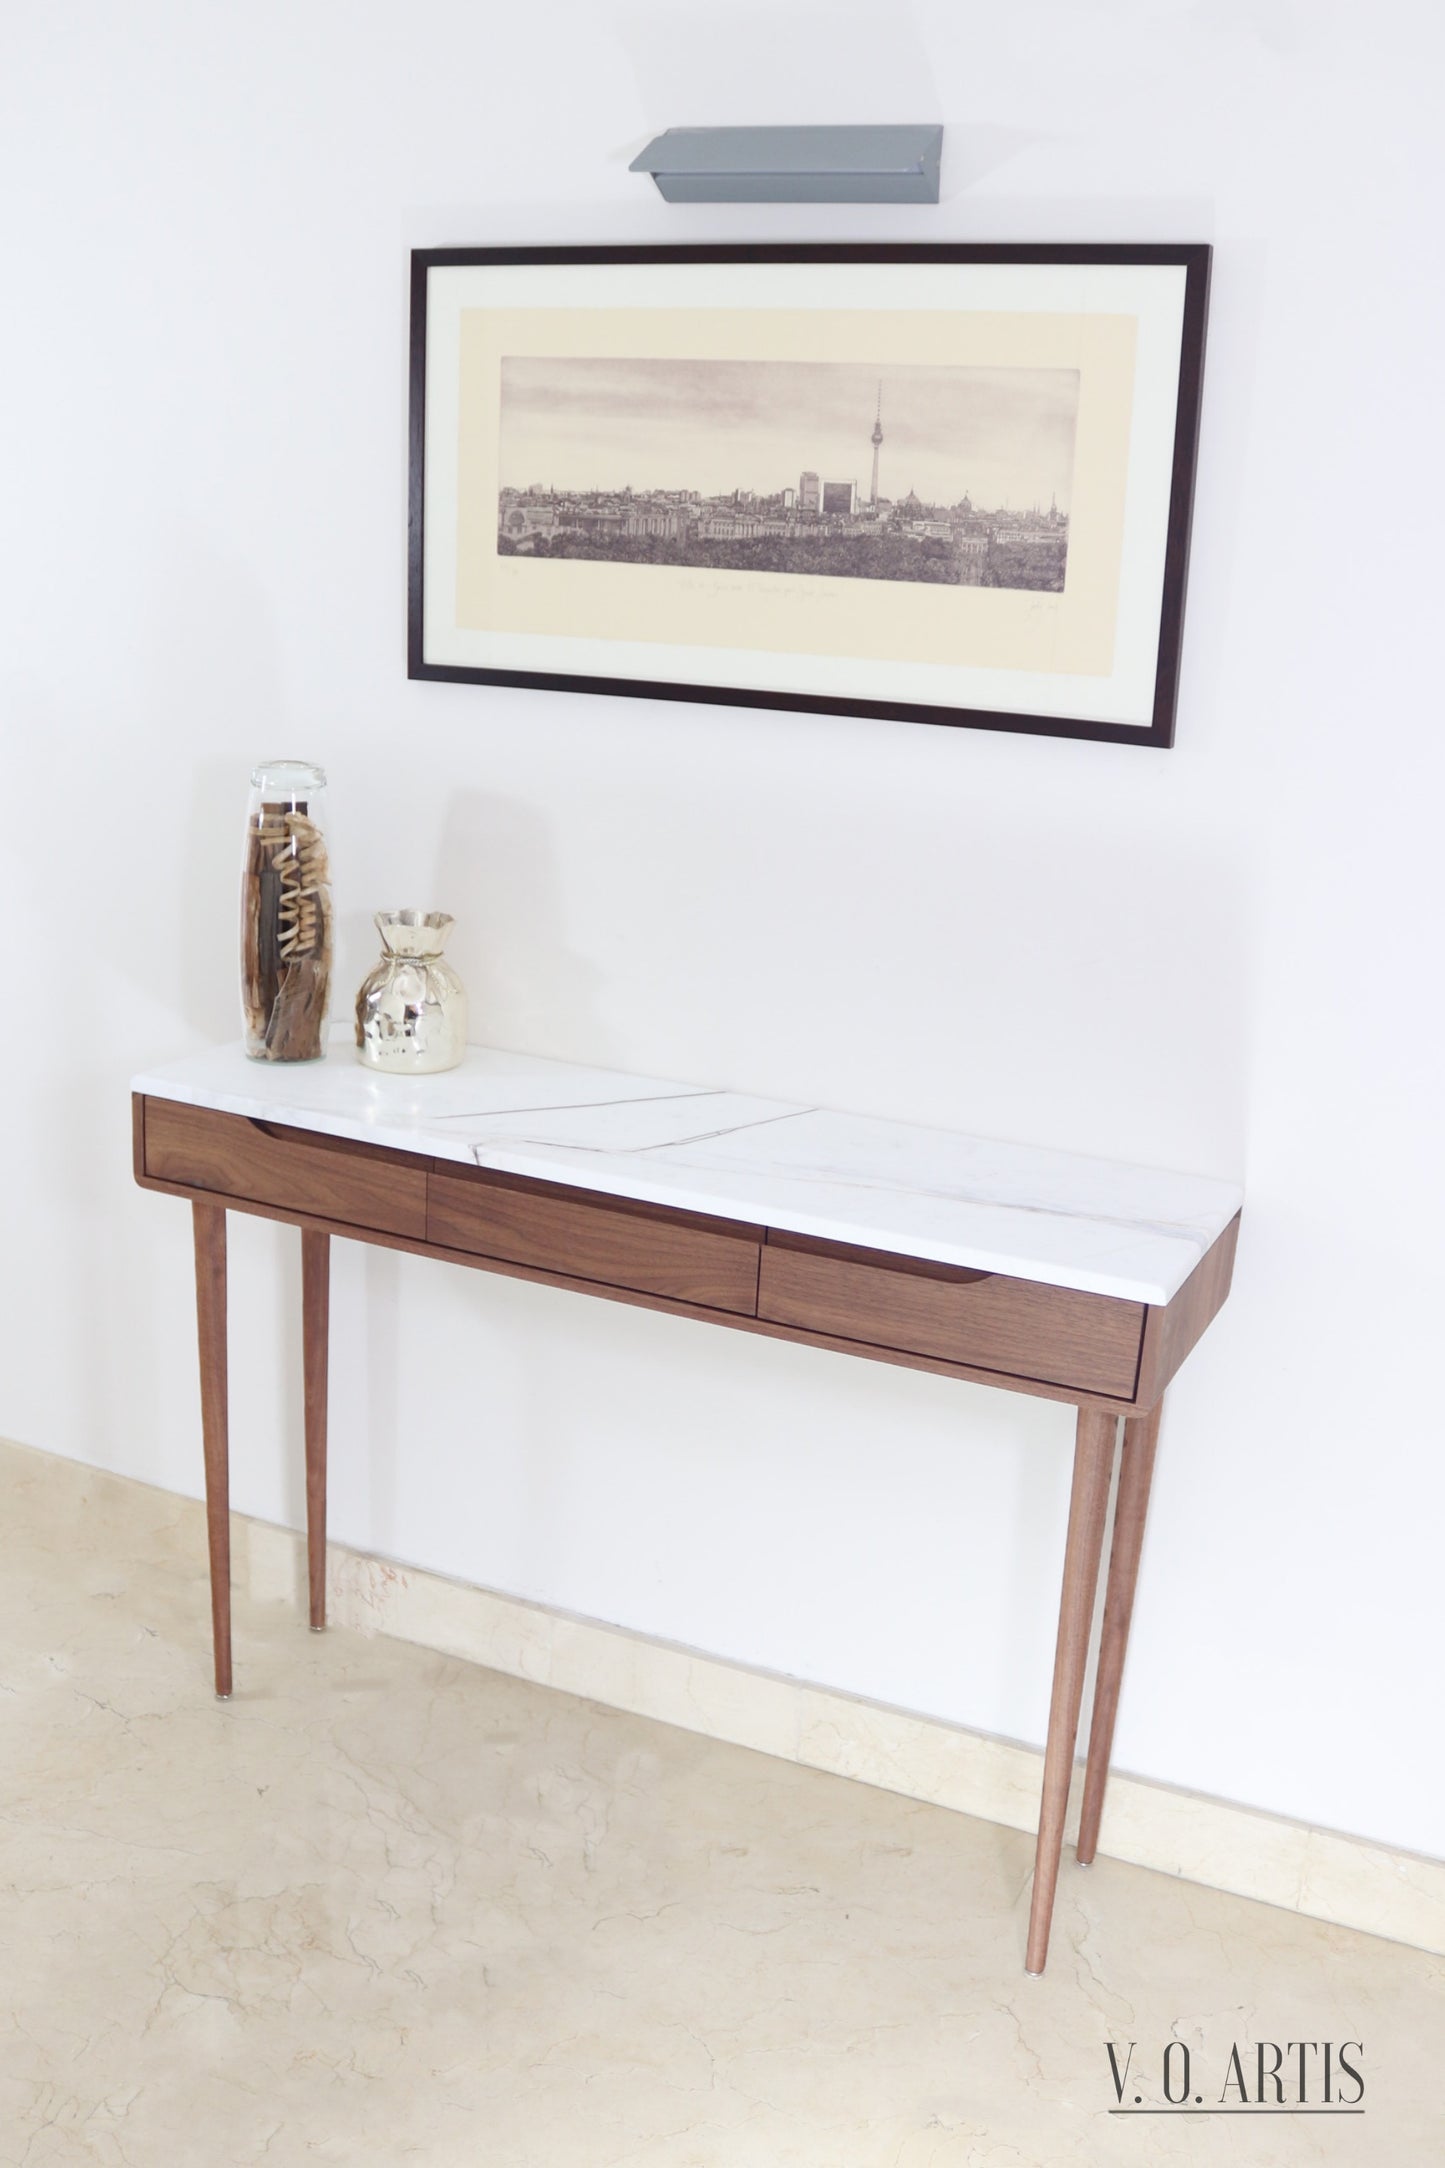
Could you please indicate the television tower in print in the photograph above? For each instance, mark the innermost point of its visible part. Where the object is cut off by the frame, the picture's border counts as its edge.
(877, 446)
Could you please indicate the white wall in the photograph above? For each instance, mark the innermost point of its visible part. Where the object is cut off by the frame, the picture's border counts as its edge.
(1221, 958)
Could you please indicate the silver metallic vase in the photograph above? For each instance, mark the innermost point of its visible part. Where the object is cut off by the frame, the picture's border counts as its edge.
(411, 1010)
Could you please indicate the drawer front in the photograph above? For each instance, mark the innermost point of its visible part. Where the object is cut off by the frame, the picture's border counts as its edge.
(1017, 1327)
(293, 1170)
(676, 1254)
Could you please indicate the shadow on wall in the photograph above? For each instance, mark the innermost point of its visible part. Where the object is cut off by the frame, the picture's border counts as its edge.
(497, 872)
(209, 963)
(214, 678)
(717, 64)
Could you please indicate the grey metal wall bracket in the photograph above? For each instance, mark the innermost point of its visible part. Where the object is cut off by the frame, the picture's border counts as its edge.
(794, 165)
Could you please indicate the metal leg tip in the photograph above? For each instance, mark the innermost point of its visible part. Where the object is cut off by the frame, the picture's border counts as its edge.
(319, 1629)
(223, 1697)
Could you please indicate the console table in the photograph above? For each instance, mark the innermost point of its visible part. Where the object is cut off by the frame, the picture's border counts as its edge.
(1036, 1271)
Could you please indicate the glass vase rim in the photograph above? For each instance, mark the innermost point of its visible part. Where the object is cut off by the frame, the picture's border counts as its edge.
(288, 777)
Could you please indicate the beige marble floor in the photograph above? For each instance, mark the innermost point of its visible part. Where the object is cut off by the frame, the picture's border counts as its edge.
(388, 1908)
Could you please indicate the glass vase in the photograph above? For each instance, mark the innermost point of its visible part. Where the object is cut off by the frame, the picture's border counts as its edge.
(287, 921)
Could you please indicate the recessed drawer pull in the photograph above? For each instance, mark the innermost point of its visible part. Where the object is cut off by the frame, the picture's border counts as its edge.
(289, 1170)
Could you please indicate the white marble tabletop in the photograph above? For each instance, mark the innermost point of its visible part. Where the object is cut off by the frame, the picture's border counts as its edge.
(1029, 1212)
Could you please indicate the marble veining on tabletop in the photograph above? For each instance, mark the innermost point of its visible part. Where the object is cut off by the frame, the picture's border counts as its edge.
(1031, 1212)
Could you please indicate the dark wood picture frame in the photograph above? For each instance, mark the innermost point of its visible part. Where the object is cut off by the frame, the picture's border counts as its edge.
(1193, 258)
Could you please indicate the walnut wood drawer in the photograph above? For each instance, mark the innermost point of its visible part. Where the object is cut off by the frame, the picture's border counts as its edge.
(554, 1229)
(293, 1170)
(982, 1320)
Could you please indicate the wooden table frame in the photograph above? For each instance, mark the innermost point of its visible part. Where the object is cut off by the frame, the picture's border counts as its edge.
(1109, 1358)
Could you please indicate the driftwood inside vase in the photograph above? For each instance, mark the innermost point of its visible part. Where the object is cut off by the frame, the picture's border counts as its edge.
(286, 934)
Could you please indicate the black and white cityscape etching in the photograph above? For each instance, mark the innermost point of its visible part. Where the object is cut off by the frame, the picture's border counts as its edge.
(946, 475)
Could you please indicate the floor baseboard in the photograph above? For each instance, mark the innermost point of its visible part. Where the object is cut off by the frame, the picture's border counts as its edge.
(1341, 1879)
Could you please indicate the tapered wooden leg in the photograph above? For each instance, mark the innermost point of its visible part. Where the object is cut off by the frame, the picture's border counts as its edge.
(209, 1222)
(316, 1322)
(1088, 1505)
(1136, 1467)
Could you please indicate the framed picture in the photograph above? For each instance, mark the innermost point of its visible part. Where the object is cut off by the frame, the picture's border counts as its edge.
(941, 484)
